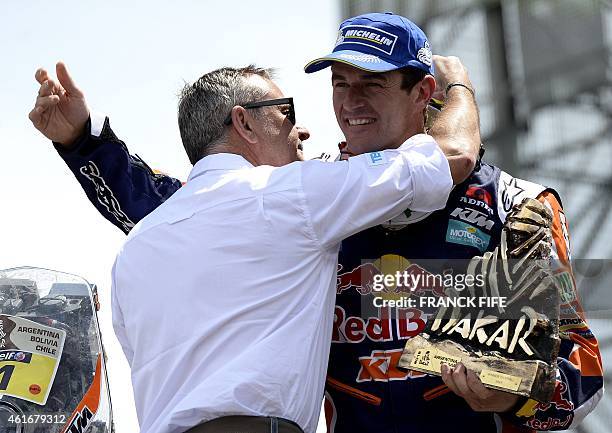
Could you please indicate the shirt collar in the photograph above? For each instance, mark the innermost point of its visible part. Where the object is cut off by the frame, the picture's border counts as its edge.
(219, 161)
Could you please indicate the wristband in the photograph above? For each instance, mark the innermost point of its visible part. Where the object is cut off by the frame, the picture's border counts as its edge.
(451, 85)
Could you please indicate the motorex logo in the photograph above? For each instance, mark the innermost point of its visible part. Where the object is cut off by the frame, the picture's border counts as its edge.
(461, 233)
(369, 36)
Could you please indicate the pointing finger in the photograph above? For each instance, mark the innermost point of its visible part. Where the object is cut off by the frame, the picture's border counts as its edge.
(66, 80)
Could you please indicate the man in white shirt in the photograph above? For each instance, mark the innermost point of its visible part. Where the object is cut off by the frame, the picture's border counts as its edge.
(223, 297)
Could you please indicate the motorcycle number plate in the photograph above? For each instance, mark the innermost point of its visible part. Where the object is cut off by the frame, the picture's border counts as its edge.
(29, 356)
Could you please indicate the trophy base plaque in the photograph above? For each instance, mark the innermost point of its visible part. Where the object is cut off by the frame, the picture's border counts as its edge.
(530, 378)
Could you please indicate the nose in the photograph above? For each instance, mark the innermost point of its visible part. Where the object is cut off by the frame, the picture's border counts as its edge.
(303, 133)
(354, 98)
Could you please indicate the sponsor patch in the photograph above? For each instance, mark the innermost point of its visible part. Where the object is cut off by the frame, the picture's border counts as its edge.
(376, 158)
(370, 37)
(424, 54)
(381, 366)
(550, 423)
(362, 278)
(574, 324)
(16, 356)
(409, 322)
(559, 401)
(473, 216)
(459, 232)
(567, 289)
(480, 204)
(479, 193)
(512, 191)
(339, 38)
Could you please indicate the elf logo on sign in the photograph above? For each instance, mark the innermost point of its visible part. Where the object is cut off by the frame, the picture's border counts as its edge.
(80, 421)
(472, 216)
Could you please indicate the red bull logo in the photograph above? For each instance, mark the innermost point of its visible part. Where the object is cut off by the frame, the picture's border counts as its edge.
(354, 329)
(559, 400)
(550, 423)
(369, 277)
(361, 279)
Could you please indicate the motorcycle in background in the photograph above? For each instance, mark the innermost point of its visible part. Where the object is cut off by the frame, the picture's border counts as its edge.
(52, 362)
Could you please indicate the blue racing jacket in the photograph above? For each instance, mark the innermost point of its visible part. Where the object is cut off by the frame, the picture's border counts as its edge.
(365, 390)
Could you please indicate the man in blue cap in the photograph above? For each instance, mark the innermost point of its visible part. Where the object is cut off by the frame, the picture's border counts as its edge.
(382, 77)
(375, 54)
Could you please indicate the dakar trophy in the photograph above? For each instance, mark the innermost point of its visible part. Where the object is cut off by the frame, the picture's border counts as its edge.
(512, 344)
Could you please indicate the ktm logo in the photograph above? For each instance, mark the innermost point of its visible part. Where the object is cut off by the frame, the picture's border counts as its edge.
(80, 421)
(381, 366)
(472, 216)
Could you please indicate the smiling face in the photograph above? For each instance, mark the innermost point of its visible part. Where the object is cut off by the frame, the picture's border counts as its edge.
(373, 110)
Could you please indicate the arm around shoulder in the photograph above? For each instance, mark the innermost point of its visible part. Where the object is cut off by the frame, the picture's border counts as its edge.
(346, 197)
(457, 127)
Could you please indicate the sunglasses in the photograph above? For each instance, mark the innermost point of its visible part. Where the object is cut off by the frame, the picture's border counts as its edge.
(268, 103)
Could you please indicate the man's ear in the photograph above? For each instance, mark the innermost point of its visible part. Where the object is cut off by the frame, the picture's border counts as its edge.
(243, 123)
(427, 87)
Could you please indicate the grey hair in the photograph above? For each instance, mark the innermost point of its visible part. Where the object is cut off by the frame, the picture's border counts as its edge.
(204, 105)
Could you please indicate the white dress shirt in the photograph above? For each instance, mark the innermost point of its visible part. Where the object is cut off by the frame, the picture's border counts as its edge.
(223, 297)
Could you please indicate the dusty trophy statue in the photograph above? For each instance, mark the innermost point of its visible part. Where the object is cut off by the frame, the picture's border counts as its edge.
(512, 340)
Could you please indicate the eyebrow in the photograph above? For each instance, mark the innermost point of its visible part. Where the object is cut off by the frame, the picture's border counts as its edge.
(371, 76)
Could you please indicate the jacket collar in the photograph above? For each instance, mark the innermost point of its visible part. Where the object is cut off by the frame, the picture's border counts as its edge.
(218, 161)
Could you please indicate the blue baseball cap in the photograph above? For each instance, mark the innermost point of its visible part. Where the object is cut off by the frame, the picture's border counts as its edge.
(378, 42)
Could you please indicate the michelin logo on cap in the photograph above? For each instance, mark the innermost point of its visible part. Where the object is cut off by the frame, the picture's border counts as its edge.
(369, 36)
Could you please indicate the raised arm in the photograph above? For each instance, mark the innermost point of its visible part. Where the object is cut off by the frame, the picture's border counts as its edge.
(122, 187)
(456, 128)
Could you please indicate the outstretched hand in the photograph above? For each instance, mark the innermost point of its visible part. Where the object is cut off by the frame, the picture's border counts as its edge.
(60, 112)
